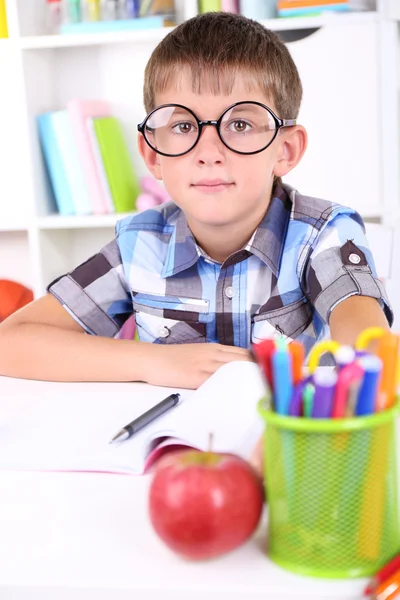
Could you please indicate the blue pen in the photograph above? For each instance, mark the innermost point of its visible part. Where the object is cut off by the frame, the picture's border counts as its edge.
(324, 381)
(281, 362)
(367, 394)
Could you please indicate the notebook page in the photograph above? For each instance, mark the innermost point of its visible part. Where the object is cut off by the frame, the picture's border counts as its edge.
(62, 428)
(226, 405)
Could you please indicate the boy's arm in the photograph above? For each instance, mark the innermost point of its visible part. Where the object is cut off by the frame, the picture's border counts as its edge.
(353, 315)
(43, 341)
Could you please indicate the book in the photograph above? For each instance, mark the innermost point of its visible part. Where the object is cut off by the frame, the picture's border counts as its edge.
(152, 22)
(118, 166)
(99, 165)
(60, 429)
(61, 123)
(54, 163)
(3, 20)
(80, 111)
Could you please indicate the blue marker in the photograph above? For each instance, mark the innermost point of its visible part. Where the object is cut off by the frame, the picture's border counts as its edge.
(367, 394)
(282, 377)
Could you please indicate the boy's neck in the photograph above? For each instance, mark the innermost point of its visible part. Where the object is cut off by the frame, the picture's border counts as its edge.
(220, 242)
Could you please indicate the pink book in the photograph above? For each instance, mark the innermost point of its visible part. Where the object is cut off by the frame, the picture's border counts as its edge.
(80, 111)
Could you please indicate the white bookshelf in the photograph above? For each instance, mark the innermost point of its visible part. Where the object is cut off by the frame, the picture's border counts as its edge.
(350, 110)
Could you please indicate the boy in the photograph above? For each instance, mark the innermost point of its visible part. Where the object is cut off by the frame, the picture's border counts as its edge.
(236, 257)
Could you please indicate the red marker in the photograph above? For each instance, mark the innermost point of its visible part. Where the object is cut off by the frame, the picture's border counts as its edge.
(263, 352)
(387, 571)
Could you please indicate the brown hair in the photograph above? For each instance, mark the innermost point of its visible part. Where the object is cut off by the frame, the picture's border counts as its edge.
(215, 47)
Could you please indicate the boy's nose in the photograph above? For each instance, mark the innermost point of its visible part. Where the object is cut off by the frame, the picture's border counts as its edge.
(209, 149)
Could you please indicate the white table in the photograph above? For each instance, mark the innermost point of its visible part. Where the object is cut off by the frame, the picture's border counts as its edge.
(86, 536)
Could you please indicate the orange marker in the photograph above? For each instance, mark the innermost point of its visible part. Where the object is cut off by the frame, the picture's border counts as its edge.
(389, 589)
(296, 351)
(388, 352)
(387, 571)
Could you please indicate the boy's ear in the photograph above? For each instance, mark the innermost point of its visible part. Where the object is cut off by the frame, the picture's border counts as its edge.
(293, 144)
(150, 157)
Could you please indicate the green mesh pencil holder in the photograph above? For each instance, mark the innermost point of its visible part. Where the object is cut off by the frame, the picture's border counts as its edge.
(331, 487)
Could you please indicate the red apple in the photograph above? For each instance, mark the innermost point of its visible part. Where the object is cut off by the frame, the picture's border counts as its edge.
(203, 504)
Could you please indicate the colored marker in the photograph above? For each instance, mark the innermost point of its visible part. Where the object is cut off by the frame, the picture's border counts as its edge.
(319, 349)
(308, 400)
(296, 403)
(387, 571)
(388, 352)
(372, 366)
(282, 377)
(389, 589)
(349, 374)
(263, 352)
(324, 384)
(296, 351)
(344, 356)
(367, 336)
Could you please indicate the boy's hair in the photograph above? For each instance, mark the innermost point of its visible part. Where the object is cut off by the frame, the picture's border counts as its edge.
(215, 47)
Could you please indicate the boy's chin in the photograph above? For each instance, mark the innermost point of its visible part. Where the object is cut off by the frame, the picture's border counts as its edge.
(216, 218)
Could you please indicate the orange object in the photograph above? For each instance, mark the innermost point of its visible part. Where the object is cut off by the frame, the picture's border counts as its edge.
(13, 296)
(388, 352)
(296, 351)
(389, 588)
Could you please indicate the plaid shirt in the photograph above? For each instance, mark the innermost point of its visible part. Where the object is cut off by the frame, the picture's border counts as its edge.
(305, 257)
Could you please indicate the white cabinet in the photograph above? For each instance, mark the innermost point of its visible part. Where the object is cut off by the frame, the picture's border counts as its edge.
(350, 111)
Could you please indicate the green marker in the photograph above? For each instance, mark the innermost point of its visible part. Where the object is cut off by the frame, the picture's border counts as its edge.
(308, 399)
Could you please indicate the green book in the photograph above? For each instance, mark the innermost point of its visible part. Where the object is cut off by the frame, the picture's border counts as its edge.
(124, 185)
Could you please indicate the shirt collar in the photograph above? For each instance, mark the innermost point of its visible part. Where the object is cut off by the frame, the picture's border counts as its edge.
(267, 242)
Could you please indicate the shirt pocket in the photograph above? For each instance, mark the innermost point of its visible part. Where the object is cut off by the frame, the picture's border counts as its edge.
(169, 319)
(289, 321)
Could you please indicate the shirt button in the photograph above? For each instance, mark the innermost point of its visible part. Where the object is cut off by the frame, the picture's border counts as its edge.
(163, 332)
(354, 259)
(229, 292)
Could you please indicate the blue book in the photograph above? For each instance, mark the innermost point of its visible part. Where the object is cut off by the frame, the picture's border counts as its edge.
(55, 166)
(152, 22)
(62, 126)
(312, 10)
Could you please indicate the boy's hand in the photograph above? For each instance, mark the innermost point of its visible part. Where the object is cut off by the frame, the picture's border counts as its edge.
(186, 365)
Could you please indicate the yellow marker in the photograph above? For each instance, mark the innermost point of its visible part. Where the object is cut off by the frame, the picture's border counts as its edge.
(326, 346)
(368, 335)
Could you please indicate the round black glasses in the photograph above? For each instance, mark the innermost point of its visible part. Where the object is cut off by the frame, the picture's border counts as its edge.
(243, 127)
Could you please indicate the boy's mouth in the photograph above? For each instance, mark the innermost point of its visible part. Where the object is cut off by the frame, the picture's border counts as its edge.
(212, 186)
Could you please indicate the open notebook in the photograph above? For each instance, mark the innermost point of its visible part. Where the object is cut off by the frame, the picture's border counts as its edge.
(63, 432)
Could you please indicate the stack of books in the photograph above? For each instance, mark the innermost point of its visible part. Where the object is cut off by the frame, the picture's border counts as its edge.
(298, 8)
(87, 159)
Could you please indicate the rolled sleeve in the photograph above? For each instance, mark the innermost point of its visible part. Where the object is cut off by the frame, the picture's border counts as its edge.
(341, 265)
(96, 293)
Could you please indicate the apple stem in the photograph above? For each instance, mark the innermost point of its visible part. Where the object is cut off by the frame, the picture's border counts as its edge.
(210, 441)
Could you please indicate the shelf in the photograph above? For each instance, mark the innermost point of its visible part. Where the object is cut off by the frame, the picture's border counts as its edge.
(329, 18)
(79, 222)
(43, 42)
(13, 226)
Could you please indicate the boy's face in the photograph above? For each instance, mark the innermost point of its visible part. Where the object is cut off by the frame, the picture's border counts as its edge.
(213, 185)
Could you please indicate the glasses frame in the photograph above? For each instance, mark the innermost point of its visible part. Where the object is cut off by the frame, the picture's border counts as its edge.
(215, 123)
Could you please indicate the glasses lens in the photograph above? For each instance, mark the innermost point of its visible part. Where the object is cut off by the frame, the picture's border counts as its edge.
(247, 127)
(172, 130)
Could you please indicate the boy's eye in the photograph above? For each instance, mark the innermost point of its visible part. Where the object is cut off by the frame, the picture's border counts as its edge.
(184, 127)
(239, 126)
